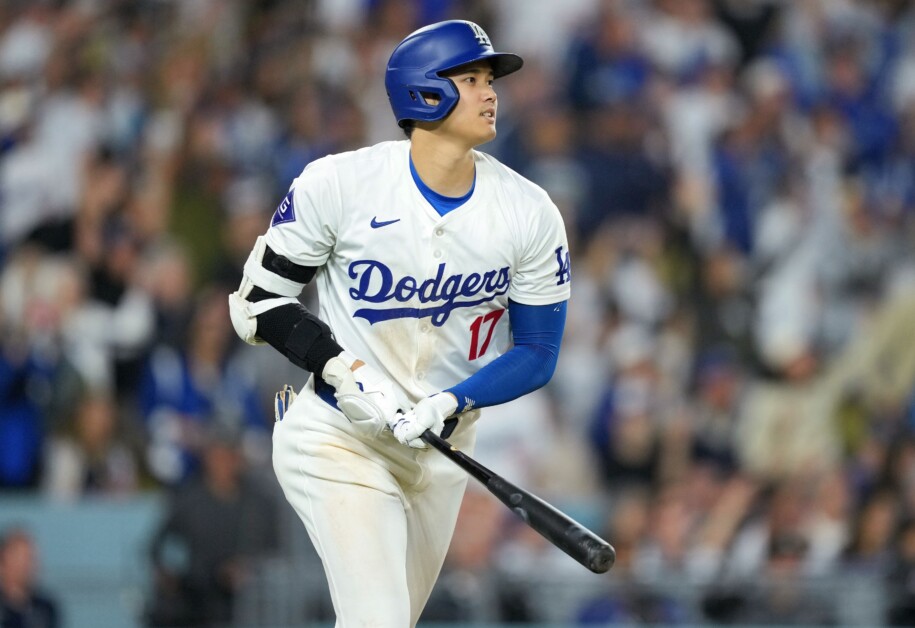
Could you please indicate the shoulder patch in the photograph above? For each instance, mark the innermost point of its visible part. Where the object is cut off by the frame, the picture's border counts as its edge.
(285, 212)
(564, 273)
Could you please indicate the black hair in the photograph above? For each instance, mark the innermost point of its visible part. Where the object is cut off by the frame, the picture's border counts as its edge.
(408, 127)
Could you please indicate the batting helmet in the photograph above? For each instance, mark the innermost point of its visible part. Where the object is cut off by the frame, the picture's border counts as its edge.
(417, 64)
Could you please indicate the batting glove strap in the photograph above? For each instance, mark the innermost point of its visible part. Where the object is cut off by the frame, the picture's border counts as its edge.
(364, 396)
(338, 372)
(429, 414)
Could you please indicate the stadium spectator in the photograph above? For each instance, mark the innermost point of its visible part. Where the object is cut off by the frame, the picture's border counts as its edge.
(23, 604)
(901, 586)
(186, 390)
(218, 524)
(90, 456)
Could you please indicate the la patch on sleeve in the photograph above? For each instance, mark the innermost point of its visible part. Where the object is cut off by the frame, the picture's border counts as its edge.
(285, 212)
(565, 266)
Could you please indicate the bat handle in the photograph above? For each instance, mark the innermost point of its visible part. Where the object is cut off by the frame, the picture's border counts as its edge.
(431, 438)
(467, 463)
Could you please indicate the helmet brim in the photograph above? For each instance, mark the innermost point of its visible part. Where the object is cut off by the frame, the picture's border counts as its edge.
(502, 63)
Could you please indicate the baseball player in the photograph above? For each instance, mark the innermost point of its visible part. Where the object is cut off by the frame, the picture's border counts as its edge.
(442, 279)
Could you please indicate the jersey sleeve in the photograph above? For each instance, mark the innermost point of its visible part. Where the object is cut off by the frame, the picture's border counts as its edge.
(304, 225)
(543, 275)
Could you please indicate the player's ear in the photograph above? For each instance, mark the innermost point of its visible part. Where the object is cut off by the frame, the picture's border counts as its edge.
(430, 99)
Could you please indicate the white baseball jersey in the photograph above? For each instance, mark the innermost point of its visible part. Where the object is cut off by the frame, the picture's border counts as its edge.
(420, 296)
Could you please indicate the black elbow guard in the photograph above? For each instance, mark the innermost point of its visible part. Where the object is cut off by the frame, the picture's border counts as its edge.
(311, 344)
(299, 335)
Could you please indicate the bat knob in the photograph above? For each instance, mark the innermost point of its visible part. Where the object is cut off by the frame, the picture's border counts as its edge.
(601, 558)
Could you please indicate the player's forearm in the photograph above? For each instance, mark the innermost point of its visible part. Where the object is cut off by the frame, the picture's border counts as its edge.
(537, 334)
(299, 335)
(523, 369)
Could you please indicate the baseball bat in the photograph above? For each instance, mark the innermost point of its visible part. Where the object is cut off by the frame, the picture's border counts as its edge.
(555, 526)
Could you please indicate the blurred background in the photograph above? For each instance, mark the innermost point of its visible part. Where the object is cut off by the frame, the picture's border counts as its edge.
(734, 407)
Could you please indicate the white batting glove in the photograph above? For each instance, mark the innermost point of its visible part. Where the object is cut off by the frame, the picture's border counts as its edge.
(365, 396)
(429, 414)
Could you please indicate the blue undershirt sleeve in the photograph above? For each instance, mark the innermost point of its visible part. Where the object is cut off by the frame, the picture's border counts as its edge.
(528, 365)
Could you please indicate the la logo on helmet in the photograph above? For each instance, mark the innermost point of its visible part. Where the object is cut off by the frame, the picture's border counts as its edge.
(480, 34)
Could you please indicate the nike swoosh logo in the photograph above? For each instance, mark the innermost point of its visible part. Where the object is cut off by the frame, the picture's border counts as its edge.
(376, 224)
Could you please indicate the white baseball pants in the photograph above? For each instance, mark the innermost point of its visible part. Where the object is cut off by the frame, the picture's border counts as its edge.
(380, 514)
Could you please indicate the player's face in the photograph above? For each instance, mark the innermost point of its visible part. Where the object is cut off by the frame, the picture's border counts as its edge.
(474, 117)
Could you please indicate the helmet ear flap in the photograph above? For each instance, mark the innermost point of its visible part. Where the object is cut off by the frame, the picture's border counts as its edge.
(432, 101)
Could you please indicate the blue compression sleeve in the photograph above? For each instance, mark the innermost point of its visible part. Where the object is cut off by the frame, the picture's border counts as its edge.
(537, 334)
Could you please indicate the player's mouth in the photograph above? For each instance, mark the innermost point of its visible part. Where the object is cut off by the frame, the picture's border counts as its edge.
(490, 114)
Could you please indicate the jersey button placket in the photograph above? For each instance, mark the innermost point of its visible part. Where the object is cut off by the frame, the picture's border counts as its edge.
(427, 340)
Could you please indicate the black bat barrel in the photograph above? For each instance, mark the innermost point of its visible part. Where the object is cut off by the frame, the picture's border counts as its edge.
(554, 525)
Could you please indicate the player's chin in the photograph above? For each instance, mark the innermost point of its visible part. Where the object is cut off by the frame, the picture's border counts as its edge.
(487, 133)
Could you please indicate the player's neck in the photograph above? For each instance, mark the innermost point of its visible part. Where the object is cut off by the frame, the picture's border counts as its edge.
(445, 168)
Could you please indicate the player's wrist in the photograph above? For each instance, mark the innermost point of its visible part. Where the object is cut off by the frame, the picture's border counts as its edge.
(338, 369)
(453, 396)
(348, 359)
(446, 403)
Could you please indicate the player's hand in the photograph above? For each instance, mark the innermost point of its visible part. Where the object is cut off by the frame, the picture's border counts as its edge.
(429, 414)
(365, 396)
(282, 401)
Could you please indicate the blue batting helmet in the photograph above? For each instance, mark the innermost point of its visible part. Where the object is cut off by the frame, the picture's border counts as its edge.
(417, 63)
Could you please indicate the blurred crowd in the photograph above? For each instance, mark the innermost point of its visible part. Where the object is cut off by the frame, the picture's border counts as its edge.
(735, 401)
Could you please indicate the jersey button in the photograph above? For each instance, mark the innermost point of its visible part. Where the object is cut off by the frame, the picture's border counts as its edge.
(439, 232)
(420, 375)
(437, 254)
(425, 328)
